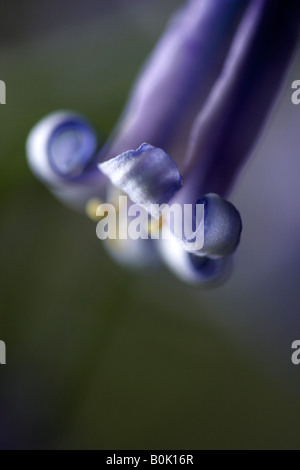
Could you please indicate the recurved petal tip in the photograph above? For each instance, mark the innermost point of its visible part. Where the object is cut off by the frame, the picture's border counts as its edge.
(61, 150)
(193, 269)
(147, 175)
(60, 147)
(217, 227)
(222, 226)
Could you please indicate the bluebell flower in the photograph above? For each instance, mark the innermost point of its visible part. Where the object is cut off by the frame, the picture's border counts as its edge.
(193, 117)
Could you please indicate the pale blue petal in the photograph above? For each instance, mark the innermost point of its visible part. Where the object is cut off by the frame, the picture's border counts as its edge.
(147, 175)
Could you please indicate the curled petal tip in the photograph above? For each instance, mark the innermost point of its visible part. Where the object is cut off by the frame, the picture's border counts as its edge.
(213, 229)
(222, 226)
(193, 269)
(61, 152)
(147, 175)
(60, 147)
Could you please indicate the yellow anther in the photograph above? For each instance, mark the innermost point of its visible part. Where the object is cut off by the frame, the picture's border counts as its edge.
(91, 208)
(155, 225)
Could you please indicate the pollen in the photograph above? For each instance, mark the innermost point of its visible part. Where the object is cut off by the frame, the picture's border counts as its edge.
(91, 208)
(155, 225)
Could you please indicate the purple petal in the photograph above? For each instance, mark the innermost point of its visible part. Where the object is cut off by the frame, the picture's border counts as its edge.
(177, 78)
(239, 103)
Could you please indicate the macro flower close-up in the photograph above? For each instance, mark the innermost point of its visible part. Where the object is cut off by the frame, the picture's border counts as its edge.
(200, 101)
(161, 280)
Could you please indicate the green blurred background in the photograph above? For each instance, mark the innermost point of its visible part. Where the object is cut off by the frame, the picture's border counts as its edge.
(101, 357)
